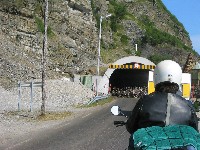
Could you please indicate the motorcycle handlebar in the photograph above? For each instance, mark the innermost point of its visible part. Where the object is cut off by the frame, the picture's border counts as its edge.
(119, 123)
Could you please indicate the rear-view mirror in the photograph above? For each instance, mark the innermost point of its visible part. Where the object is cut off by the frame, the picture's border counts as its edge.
(115, 110)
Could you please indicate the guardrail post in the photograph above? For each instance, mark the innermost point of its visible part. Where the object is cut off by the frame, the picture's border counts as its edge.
(31, 85)
(19, 97)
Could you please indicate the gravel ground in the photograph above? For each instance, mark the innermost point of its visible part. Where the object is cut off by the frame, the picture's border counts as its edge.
(62, 96)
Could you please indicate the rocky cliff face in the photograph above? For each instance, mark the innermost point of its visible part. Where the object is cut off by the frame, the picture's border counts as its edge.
(72, 38)
(73, 35)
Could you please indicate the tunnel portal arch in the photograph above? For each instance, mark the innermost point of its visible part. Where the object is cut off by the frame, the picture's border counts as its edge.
(114, 76)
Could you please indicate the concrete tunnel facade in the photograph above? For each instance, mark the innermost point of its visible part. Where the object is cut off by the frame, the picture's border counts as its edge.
(125, 77)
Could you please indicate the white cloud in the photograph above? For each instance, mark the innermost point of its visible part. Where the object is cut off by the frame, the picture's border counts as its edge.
(196, 42)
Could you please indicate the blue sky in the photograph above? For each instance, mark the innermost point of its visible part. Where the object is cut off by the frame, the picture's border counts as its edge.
(188, 13)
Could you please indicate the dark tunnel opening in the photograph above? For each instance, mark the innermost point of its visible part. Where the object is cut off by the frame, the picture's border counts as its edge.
(122, 79)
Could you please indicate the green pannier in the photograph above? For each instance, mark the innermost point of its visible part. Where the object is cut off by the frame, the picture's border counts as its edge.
(166, 138)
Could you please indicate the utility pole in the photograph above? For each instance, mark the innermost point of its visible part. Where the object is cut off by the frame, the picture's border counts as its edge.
(44, 51)
(99, 50)
(99, 47)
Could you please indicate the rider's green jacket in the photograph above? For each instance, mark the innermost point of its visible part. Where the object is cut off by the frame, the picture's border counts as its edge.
(161, 109)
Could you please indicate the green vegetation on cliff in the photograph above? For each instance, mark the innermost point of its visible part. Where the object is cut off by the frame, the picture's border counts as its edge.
(153, 35)
(40, 26)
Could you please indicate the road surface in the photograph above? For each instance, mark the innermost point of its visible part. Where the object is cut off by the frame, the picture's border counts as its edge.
(93, 131)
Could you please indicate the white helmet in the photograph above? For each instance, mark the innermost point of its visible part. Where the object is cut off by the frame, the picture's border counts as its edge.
(167, 70)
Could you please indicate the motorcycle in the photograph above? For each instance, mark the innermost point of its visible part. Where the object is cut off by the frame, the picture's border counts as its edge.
(171, 137)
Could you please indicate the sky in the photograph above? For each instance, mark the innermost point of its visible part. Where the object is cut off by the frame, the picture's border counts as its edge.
(188, 13)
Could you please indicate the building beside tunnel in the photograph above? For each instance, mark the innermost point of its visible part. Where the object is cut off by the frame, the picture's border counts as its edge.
(195, 73)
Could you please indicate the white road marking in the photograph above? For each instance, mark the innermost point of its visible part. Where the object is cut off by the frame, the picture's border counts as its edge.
(11, 147)
(86, 115)
(62, 126)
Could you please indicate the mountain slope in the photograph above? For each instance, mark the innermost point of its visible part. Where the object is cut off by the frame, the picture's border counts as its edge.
(148, 24)
(73, 36)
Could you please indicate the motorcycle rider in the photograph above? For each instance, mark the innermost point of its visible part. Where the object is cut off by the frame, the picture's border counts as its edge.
(163, 107)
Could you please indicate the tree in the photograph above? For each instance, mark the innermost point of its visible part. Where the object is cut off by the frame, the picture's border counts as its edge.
(44, 51)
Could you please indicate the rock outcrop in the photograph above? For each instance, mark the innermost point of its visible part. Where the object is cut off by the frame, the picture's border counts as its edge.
(72, 38)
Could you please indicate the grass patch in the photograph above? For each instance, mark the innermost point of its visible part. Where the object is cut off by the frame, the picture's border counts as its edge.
(101, 102)
(97, 103)
(53, 116)
(11, 113)
(35, 116)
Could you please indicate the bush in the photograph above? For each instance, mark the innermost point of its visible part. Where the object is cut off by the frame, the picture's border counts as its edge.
(95, 11)
(124, 39)
(40, 26)
(156, 58)
(129, 51)
(196, 106)
(119, 11)
(138, 53)
(113, 24)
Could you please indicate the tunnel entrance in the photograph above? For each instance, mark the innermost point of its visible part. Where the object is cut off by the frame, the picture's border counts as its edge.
(122, 78)
(124, 81)
(130, 67)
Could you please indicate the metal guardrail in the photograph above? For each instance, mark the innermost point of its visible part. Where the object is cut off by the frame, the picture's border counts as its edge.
(27, 84)
(96, 99)
(30, 84)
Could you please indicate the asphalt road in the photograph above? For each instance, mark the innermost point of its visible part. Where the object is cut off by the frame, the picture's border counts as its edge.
(94, 131)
